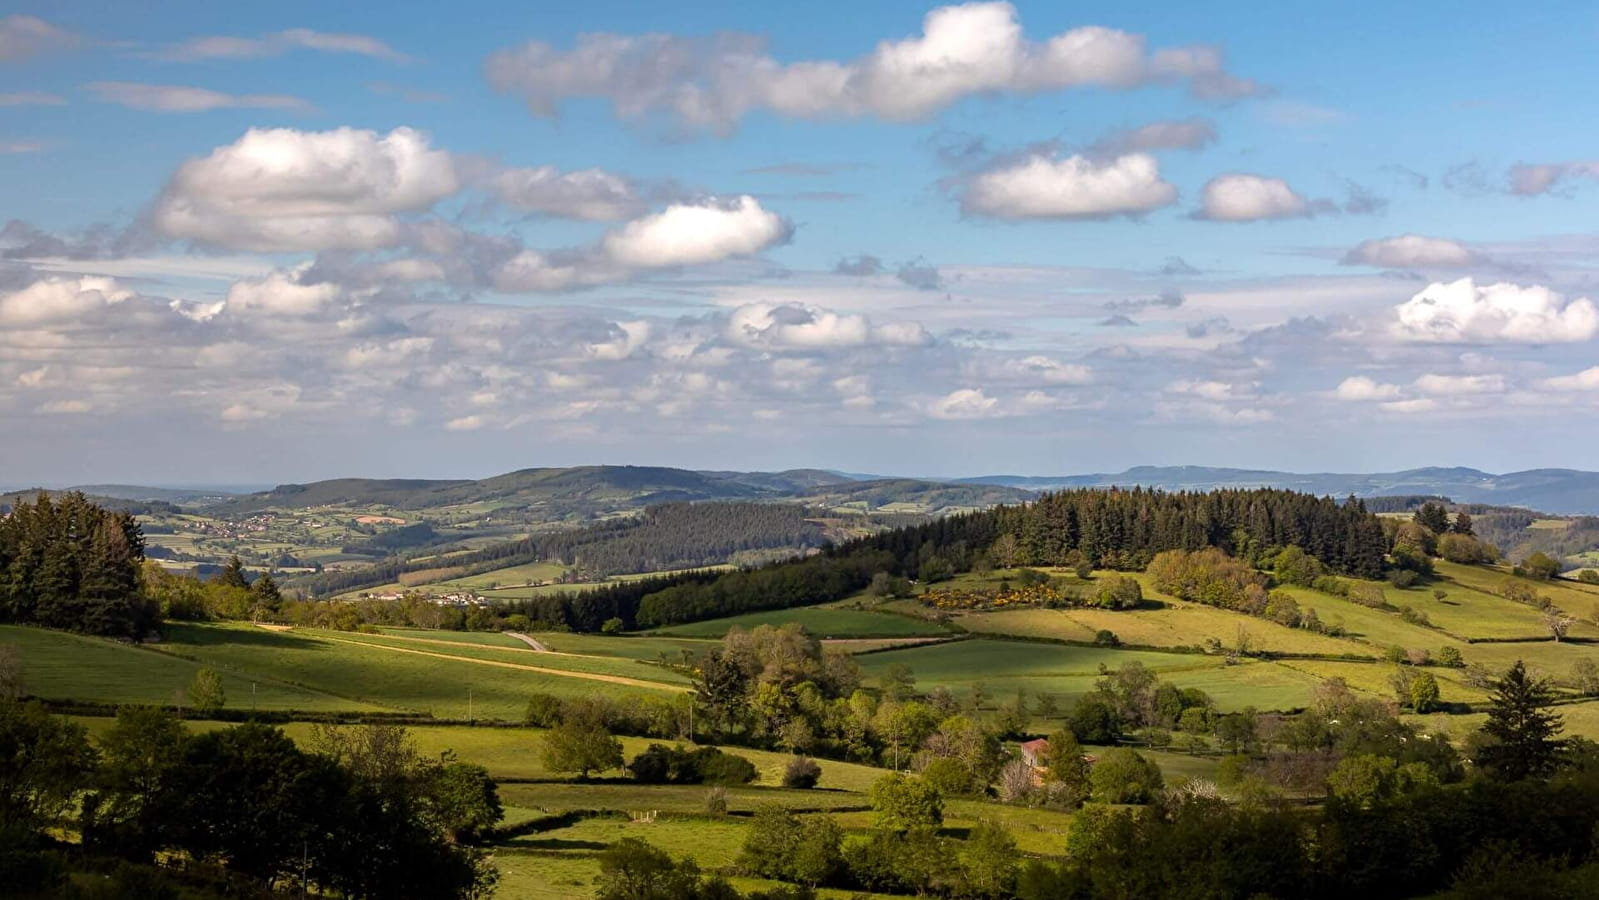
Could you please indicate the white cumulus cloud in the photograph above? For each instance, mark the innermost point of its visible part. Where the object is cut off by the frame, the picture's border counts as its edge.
(1464, 312)
(1458, 385)
(1586, 380)
(686, 234)
(965, 403)
(1077, 187)
(1411, 251)
(60, 300)
(964, 50)
(1242, 197)
(794, 326)
(280, 189)
(1359, 387)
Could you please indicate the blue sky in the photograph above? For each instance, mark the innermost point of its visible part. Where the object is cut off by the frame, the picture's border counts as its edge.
(285, 241)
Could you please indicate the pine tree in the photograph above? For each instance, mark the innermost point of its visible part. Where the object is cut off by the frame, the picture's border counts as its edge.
(232, 574)
(1463, 525)
(265, 596)
(1433, 517)
(1523, 737)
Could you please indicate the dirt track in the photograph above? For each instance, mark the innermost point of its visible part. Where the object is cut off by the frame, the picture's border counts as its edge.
(543, 670)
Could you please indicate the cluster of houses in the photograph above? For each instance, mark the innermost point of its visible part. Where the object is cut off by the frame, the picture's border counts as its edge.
(461, 599)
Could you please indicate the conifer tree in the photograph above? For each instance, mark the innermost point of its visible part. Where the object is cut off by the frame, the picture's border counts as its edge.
(1523, 735)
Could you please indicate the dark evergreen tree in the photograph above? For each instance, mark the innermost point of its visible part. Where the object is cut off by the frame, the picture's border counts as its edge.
(232, 574)
(70, 564)
(1523, 736)
(1433, 517)
(1463, 524)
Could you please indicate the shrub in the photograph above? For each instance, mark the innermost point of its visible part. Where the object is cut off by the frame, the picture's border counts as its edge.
(543, 711)
(1403, 578)
(1294, 566)
(801, 773)
(660, 764)
(1125, 776)
(1205, 576)
(949, 776)
(1116, 592)
(900, 803)
(1368, 595)
(1541, 566)
(1588, 576)
(1327, 584)
(1450, 657)
(1464, 549)
(613, 625)
(1104, 637)
(572, 747)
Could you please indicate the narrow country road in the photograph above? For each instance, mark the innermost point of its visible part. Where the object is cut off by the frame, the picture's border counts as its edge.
(530, 641)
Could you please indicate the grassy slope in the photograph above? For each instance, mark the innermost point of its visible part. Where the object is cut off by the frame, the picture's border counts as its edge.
(823, 622)
(328, 662)
(63, 666)
(520, 655)
(1004, 667)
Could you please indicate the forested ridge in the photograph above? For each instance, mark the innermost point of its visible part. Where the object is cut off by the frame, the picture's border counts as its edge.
(1115, 529)
(71, 564)
(668, 536)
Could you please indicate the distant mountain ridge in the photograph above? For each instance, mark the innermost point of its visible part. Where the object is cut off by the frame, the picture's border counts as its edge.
(591, 489)
(1562, 491)
(581, 491)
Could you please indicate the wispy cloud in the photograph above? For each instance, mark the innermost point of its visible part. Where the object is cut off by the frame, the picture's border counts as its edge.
(276, 44)
(174, 98)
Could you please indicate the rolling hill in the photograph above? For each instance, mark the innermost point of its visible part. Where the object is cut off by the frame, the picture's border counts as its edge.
(1564, 491)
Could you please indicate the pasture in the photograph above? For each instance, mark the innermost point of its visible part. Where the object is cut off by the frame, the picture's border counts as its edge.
(821, 621)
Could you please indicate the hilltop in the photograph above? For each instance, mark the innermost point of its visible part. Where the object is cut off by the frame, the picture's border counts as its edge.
(1563, 491)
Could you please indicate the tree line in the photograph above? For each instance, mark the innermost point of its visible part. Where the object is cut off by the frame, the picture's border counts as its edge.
(70, 564)
(1117, 529)
(359, 814)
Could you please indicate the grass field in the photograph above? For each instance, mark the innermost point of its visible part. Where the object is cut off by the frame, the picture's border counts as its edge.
(1178, 625)
(446, 683)
(519, 655)
(73, 667)
(824, 622)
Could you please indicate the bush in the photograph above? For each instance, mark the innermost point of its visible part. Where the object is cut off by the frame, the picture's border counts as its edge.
(543, 711)
(1116, 592)
(1294, 566)
(1104, 637)
(801, 773)
(1125, 776)
(660, 764)
(1368, 595)
(949, 776)
(1450, 657)
(1541, 566)
(1464, 549)
(1403, 578)
(1205, 576)
(900, 803)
